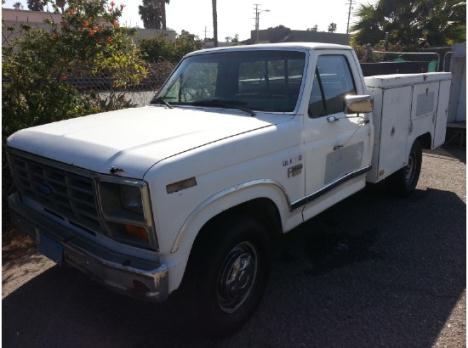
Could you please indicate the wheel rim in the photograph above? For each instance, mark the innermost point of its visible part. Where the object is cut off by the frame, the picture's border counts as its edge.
(237, 277)
(410, 169)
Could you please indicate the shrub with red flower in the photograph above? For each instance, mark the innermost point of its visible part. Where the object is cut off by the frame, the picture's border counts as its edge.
(87, 43)
(39, 64)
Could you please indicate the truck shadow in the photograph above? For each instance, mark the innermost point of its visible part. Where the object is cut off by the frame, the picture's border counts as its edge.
(371, 271)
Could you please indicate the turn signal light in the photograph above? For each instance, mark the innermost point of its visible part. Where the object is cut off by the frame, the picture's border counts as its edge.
(136, 231)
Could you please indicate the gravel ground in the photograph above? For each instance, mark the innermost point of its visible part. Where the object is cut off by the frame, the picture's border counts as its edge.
(373, 271)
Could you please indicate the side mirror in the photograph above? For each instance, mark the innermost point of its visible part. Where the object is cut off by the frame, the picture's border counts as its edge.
(359, 104)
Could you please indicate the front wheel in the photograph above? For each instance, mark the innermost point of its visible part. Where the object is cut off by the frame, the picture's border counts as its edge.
(228, 273)
(404, 181)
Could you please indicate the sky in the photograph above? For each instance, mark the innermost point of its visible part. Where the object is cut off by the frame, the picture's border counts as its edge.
(237, 16)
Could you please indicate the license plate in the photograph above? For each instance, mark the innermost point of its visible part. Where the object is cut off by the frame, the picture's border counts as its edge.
(50, 248)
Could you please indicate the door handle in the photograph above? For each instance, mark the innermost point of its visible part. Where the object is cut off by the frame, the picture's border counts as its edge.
(332, 119)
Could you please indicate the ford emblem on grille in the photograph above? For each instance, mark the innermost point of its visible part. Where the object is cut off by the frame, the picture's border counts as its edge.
(45, 189)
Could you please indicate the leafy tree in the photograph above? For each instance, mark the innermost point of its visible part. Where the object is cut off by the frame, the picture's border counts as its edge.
(18, 6)
(411, 23)
(332, 27)
(36, 5)
(153, 13)
(278, 33)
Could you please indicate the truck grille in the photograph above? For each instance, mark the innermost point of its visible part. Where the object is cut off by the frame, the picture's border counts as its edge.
(63, 193)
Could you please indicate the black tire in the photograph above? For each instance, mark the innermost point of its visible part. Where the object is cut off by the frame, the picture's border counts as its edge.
(404, 181)
(216, 310)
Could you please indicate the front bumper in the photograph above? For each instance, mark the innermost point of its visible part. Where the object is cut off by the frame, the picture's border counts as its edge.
(122, 273)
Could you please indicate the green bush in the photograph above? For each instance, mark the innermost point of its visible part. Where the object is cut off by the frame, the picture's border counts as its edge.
(160, 49)
(36, 67)
(88, 43)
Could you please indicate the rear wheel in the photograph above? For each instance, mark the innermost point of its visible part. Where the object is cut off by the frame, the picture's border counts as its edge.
(404, 181)
(227, 274)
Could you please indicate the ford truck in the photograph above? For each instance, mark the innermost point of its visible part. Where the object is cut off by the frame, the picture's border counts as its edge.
(239, 146)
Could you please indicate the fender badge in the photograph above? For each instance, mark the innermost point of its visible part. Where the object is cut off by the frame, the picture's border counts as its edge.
(295, 170)
(181, 185)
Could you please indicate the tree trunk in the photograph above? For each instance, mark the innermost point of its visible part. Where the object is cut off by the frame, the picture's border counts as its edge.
(163, 14)
(215, 24)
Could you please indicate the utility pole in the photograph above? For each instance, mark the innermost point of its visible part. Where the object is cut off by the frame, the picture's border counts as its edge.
(205, 32)
(215, 22)
(349, 15)
(257, 21)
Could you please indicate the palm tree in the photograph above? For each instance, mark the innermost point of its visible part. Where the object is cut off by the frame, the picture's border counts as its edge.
(36, 5)
(411, 23)
(370, 26)
(61, 5)
(163, 12)
(17, 5)
(153, 13)
(215, 23)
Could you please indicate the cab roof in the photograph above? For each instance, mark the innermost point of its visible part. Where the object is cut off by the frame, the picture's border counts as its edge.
(296, 46)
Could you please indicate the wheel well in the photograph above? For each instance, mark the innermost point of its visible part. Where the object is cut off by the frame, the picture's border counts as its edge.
(263, 209)
(425, 140)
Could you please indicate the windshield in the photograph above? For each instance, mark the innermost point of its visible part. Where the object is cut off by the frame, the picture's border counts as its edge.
(256, 80)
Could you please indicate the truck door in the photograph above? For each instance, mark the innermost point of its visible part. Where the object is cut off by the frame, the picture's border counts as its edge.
(336, 145)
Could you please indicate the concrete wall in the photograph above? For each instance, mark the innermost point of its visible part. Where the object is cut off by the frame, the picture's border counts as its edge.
(142, 34)
(14, 20)
(31, 17)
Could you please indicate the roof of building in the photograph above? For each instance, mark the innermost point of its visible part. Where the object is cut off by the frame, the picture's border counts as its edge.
(26, 16)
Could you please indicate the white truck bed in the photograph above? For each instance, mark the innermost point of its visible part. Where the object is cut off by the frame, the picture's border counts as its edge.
(405, 107)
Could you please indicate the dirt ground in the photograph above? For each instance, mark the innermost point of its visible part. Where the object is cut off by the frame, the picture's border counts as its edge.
(373, 271)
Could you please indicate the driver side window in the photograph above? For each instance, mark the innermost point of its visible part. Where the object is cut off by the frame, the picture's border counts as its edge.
(332, 82)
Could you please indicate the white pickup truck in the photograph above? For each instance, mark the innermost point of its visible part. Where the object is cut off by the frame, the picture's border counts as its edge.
(241, 145)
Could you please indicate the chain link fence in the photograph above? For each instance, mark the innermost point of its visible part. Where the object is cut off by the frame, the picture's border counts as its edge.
(135, 95)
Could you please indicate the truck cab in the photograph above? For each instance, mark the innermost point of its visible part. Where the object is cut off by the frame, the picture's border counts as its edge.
(240, 145)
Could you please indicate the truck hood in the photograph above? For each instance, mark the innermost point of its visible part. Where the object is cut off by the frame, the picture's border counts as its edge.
(133, 139)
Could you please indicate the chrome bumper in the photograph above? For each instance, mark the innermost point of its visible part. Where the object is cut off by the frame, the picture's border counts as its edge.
(122, 273)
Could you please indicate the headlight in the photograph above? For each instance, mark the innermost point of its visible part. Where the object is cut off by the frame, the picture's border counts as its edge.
(130, 198)
(128, 217)
(122, 200)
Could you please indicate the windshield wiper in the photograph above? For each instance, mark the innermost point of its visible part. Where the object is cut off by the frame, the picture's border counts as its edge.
(231, 104)
(160, 100)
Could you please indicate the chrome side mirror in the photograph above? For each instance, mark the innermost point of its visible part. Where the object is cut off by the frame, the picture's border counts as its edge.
(359, 104)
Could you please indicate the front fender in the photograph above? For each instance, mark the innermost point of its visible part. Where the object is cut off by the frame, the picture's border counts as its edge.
(218, 203)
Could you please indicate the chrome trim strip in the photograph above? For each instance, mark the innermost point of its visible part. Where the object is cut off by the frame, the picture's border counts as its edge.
(218, 195)
(292, 206)
(329, 187)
